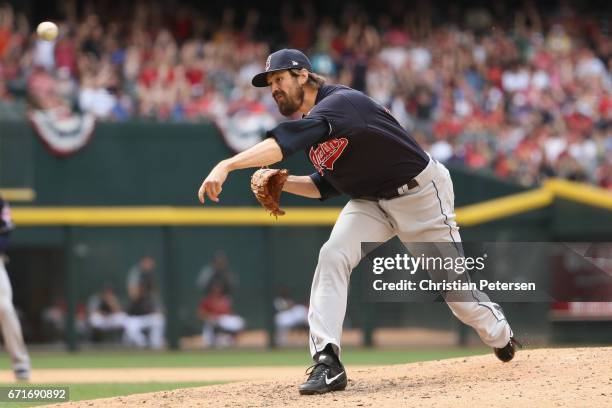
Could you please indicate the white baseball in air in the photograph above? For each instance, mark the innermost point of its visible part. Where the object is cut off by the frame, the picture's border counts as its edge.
(47, 31)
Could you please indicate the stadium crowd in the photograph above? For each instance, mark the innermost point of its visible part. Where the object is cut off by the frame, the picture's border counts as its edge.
(524, 93)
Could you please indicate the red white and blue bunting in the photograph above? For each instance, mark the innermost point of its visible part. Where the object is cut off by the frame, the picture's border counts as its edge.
(63, 134)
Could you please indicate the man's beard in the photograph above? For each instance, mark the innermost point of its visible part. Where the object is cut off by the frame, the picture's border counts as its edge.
(290, 103)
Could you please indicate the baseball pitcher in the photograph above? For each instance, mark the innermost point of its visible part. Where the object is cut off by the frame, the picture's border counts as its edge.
(11, 329)
(357, 148)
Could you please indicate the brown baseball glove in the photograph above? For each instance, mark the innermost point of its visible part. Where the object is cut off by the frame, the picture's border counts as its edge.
(267, 185)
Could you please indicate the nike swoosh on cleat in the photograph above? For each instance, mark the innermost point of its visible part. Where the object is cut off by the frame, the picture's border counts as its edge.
(331, 380)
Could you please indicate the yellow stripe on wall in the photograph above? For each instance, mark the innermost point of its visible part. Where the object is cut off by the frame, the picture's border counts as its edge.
(297, 216)
(18, 194)
(579, 192)
(503, 207)
(143, 216)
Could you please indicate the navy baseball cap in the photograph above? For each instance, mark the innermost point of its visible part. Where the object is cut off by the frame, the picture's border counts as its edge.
(281, 60)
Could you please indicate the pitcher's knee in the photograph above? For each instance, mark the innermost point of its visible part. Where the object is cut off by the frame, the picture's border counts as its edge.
(467, 312)
(329, 255)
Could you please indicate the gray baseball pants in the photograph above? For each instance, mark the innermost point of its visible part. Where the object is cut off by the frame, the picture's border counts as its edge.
(422, 214)
(11, 329)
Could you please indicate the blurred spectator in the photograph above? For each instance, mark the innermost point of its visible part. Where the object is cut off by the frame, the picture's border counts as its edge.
(524, 92)
(54, 319)
(217, 273)
(141, 273)
(221, 324)
(144, 313)
(105, 312)
(290, 315)
(43, 54)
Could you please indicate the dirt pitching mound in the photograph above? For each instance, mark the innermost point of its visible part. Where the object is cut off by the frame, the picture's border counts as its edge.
(579, 377)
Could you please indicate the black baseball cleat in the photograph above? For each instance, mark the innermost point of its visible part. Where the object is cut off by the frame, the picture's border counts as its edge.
(506, 353)
(327, 374)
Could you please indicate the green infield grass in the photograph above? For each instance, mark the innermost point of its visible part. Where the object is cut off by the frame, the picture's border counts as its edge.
(79, 392)
(209, 358)
(233, 357)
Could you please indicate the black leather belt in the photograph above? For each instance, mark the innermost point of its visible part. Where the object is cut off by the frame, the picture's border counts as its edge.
(388, 195)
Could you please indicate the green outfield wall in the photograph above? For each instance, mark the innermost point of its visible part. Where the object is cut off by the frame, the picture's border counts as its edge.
(145, 163)
(155, 164)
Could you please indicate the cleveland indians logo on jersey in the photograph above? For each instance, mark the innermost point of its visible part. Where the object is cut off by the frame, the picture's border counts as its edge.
(325, 154)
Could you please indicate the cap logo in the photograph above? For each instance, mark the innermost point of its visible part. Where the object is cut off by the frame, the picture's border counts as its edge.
(268, 63)
(294, 63)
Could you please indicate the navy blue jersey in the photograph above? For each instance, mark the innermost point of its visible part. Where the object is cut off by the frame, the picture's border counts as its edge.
(6, 224)
(355, 145)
